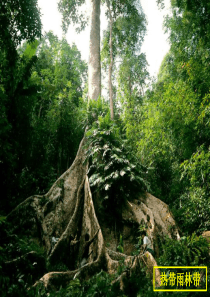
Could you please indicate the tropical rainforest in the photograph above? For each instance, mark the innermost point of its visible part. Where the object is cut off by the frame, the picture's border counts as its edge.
(92, 162)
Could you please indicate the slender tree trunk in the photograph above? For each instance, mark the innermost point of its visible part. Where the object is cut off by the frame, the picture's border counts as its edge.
(130, 86)
(94, 66)
(111, 62)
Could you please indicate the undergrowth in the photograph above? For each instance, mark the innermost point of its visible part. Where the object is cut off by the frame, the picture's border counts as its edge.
(114, 170)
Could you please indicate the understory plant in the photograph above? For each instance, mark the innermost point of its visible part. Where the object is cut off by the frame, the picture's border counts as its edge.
(22, 262)
(192, 209)
(188, 251)
(114, 170)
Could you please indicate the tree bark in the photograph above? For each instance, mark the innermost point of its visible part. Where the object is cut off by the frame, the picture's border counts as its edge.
(111, 61)
(94, 66)
(67, 212)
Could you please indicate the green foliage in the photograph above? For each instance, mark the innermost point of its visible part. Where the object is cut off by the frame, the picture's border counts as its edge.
(114, 170)
(193, 208)
(142, 227)
(196, 169)
(21, 262)
(173, 117)
(41, 124)
(188, 251)
(19, 21)
(120, 246)
(30, 49)
(93, 110)
(58, 74)
(173, 121)
(43, 117)
(129, 28)
(72, 13)
(138, 284)
(132, 76)
(189, 23)
(99, 285)
(128, 66)
(103, 285)
(171, 134)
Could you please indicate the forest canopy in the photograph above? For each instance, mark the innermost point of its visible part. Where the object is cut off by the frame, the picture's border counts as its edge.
(92, 165)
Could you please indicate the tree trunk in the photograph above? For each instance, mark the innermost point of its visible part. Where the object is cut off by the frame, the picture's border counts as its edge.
(111, 62)
(94, 66)
(67, 212)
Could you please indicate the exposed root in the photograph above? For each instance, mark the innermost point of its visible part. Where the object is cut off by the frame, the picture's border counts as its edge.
(65, 223)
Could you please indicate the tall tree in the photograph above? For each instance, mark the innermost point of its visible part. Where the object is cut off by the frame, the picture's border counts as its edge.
(94, 65)
(71, 14)
(111, 60)
(123, 39)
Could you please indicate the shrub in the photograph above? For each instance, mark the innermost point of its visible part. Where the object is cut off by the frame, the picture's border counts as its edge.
(113, 169)
(188, 251)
